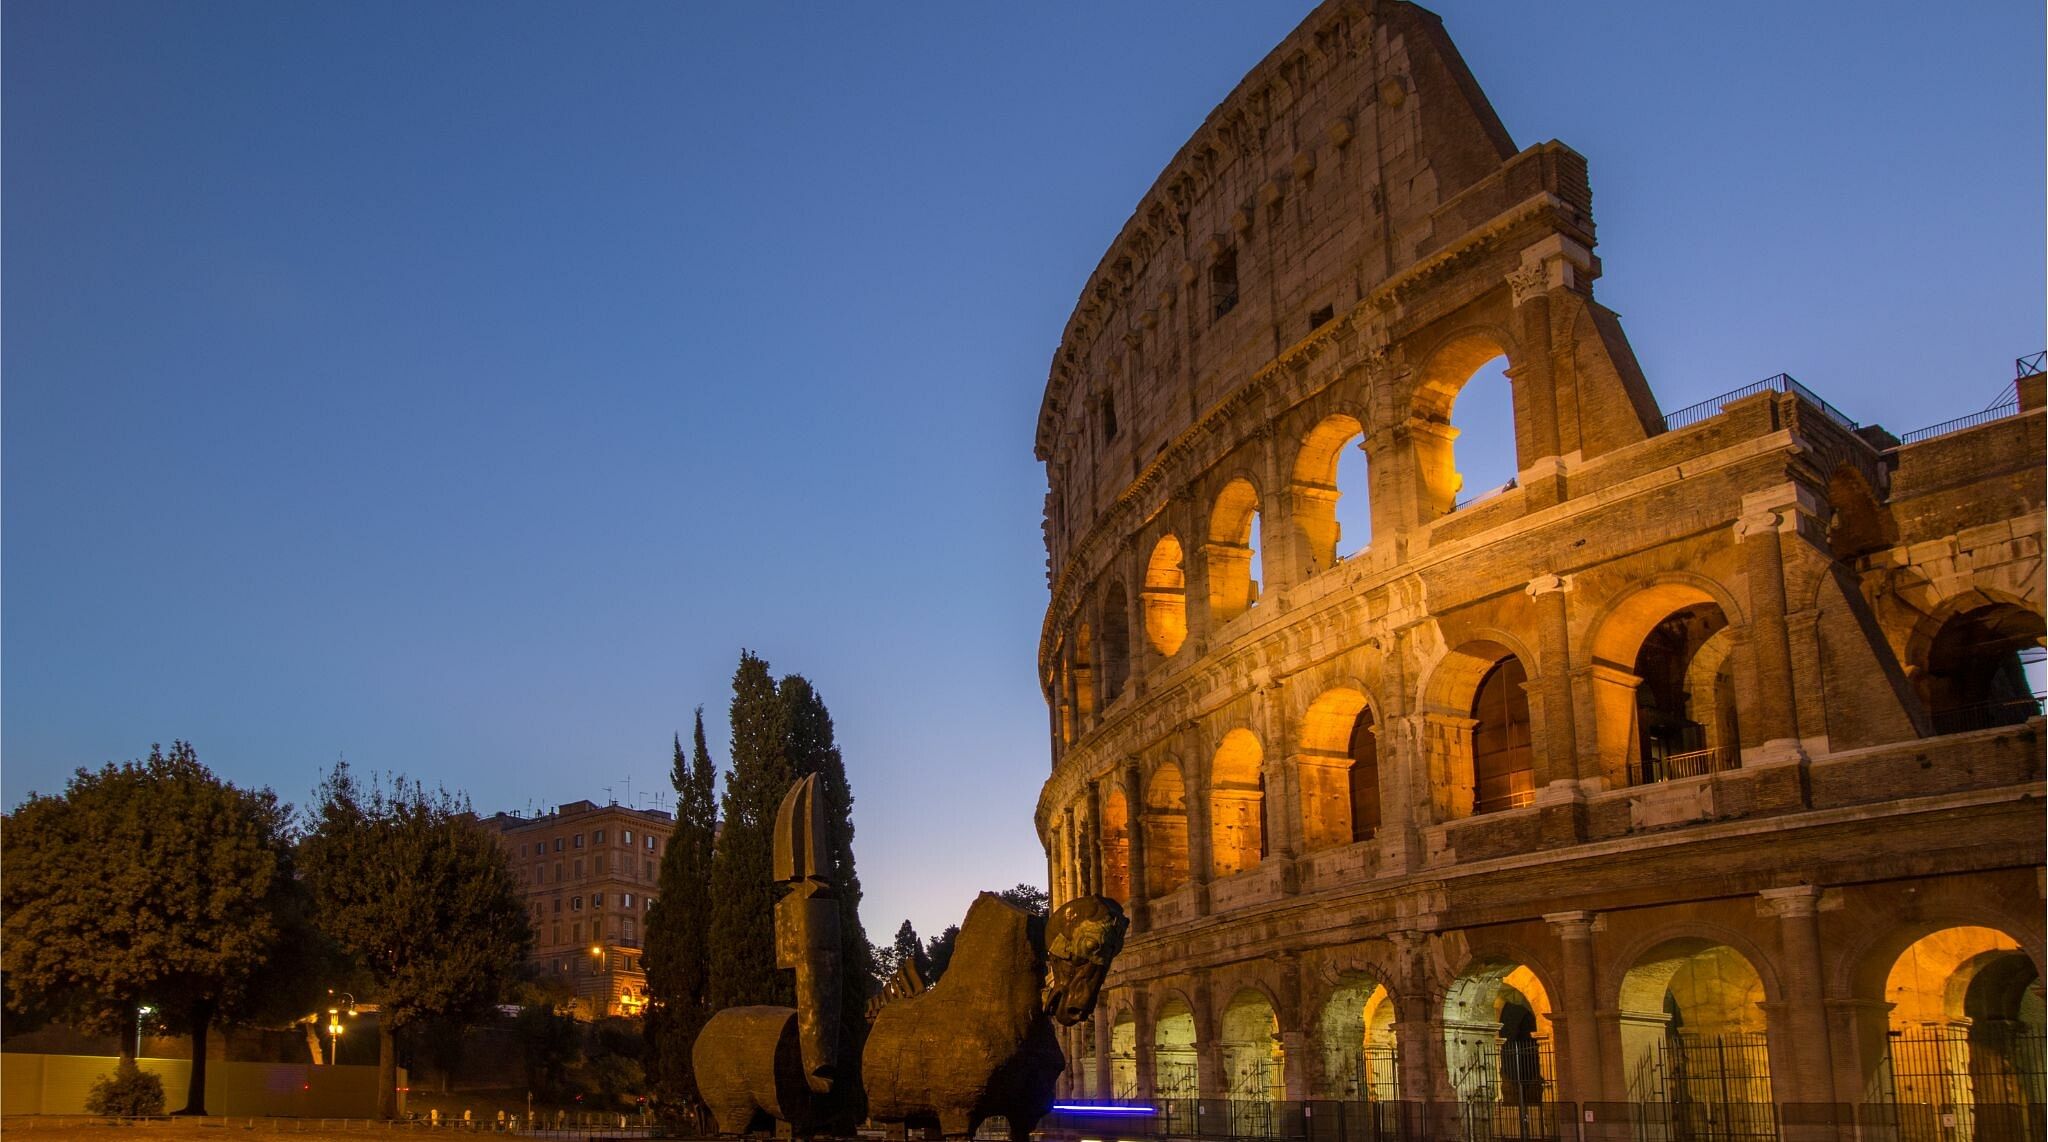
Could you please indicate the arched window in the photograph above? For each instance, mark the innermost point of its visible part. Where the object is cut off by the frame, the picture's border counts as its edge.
(1503, 755)
(1116, 847)
(1234, 551)
(1465, 443)
(1685, 701)
(1116, 642)
(1166, 831)
(1166, 597)
(1237, 804)
(1364, 777)
(1979, 666)
(1083, 675)
(1331, 509)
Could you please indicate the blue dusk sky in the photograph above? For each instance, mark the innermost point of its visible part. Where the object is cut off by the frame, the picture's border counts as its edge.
(457, 387)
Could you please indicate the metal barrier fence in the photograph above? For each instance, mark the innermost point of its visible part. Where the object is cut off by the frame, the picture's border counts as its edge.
(1782, 383)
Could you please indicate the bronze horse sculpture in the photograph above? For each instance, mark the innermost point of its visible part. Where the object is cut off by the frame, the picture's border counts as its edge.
(977, 1044)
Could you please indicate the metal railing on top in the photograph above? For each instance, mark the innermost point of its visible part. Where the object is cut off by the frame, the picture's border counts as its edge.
(1782, 383)
(2028, 365)
(1995, 412)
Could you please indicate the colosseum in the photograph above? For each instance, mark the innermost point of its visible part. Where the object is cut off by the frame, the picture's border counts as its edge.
(1688, 786)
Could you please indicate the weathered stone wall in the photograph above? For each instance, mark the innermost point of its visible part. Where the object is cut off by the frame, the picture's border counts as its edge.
(1823, 787)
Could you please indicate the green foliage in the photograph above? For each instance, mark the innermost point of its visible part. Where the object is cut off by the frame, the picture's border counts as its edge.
(940, 951)
(677, 959)
(550, 1044)
(907, 947)
(151, 882)
(127, 1091)
(1029, 897)
(420, 897)
(742, 939)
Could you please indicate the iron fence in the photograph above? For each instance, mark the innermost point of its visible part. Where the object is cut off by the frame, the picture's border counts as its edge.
(1782, 383)
(1987, 715)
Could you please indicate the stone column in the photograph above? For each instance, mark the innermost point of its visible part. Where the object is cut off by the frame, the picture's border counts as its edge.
(1091, 841)
(1558, 759)
(1208, 1049)
(1196, 776)
(1418, 1021)
(1811, 1077)
(1282, 804)
(1103, 1021)
(1142, 1045)
(1578, 1045)
(1772, 721)
(1534, 385)
(1194, 541)
(1134, 845)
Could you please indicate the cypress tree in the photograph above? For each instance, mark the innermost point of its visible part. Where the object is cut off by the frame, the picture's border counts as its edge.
(678, 969)
(811, 748)
(742, 939)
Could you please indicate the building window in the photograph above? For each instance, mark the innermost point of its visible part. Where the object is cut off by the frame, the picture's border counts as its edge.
(627, 834)
(579, 841)
(576, 904)
(558, 844)
(579, 868)
(629, 900)
(650, 870)
(558, 905)
(647, 902)
(597, 900)
(1321, 317)
(598, 838)
(650, 844)
(576, 931)
(1108, 417)
(558, 872)
(600, 864)
(1223, 283)
(629, 928)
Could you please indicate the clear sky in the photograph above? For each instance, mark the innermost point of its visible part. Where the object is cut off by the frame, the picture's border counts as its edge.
(457, 387)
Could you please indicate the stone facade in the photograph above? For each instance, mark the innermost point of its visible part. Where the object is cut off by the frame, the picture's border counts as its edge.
(1712, 731)
(588, 873)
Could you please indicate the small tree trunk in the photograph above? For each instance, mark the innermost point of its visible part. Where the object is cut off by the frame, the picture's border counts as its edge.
(387, 1069)
(131, 1034)
(195, 1091)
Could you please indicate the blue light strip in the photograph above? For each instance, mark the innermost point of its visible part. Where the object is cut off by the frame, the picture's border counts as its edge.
(1099, 1108)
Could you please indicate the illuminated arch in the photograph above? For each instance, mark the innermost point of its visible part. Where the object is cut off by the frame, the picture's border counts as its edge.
(1166, 597)
(1237, 804)
(1233, 543)
(1445, 372)
(1316, 493)
(1165, 830)
(1338, 770)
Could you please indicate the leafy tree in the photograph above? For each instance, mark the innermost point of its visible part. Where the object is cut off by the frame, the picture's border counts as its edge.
(742, 939)
(940, 951)
(908, 947)
(677, 959)
(421, 896)
(1029, 897)
(152, 881)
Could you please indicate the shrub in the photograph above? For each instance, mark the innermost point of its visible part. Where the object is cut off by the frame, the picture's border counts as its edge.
(128, 1091)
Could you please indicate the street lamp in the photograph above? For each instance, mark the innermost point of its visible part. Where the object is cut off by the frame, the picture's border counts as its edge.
(346, 1002)
(141, 1013)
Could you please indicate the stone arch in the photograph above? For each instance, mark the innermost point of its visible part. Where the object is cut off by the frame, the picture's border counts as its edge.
(1116, 846)
(1979, 665)
(1165, 826)
(1237, 804)
(1116, 641)
(1452, 729)
(1861, 525)
(1338, 769)
(1965, 1022)
(1165, 596)
(1233, 546)
(1082, 673)
(1249, 1049)
(1497, 1032)
(1356, 1054)
(1446, 369)
(1123, 1056)
(1315, 492)
(1692, 1022)
(1175, 1048)
(1663, 679)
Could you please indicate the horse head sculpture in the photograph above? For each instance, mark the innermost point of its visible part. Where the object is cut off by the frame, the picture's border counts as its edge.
(1081, 938)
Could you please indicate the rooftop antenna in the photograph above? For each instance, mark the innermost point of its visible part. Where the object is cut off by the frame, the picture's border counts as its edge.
(629, 791)
(608, 795)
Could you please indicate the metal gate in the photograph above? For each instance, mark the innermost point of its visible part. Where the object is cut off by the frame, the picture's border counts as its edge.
(1707, 1088)
(1978, 1085)
(1363, 1074)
